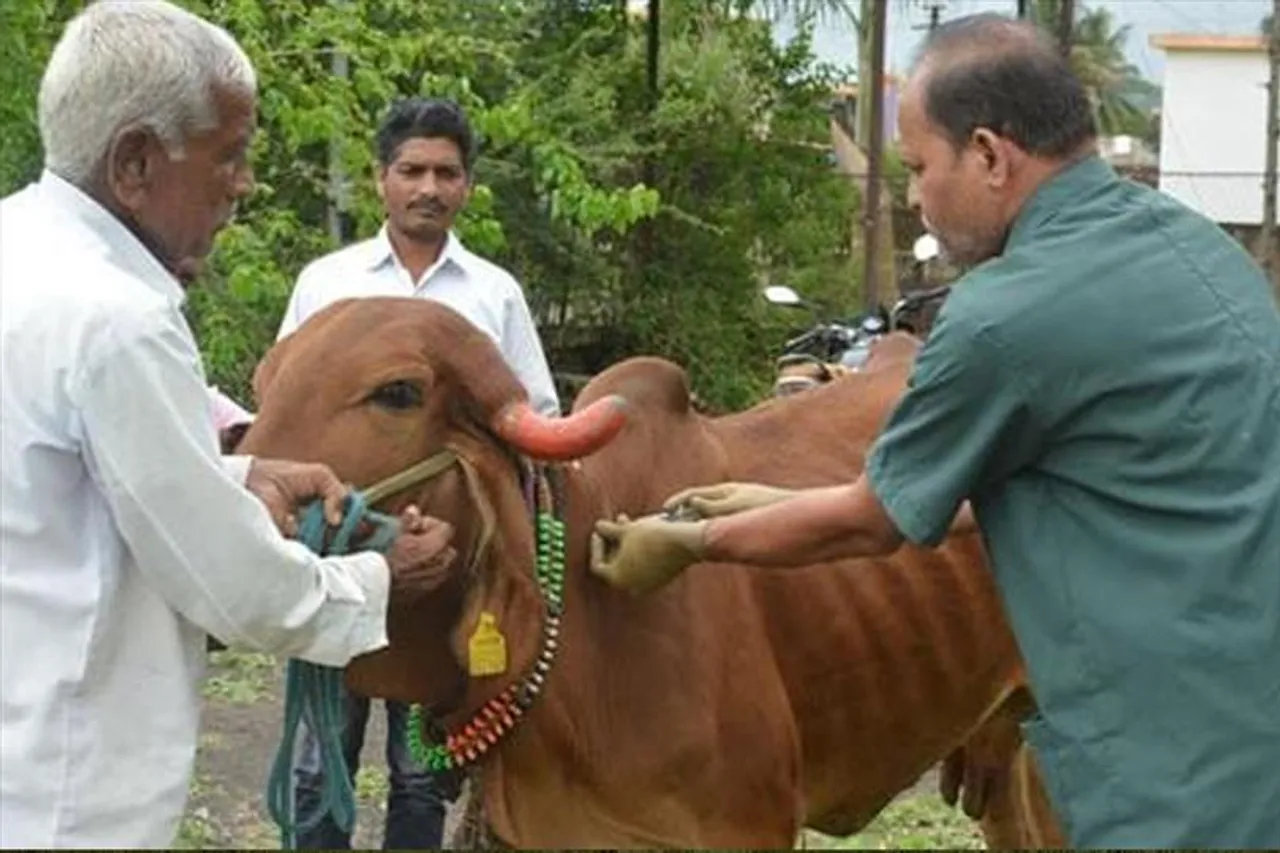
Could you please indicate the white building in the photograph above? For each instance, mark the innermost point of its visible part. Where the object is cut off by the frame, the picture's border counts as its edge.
(1213, 124)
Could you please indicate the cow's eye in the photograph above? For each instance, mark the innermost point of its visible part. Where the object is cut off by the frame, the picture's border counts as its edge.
(400, 394)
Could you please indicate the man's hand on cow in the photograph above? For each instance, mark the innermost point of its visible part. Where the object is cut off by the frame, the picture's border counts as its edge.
(725, 499)
(284, 486)
(421, 557)
(643, 555)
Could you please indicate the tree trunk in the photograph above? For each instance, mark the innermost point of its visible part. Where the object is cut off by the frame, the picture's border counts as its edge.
(1066, 21)
(881, 231)
(1267, 243)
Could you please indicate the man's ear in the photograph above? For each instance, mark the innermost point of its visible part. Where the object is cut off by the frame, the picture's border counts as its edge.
(131, 166)
(380, 175)
(995, 153)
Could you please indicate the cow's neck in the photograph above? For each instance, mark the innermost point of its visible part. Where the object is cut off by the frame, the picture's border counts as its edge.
(550, 778)
(506, 633)
(546, 780)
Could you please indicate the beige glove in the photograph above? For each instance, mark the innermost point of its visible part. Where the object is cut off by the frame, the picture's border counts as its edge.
(725, 499)
(642, 555)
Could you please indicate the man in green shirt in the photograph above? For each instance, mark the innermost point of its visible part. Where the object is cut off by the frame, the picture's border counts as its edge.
(1103, 387)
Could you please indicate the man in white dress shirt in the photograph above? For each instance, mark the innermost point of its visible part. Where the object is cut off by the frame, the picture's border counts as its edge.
(425, 150)
(125, 538)
(425, 153)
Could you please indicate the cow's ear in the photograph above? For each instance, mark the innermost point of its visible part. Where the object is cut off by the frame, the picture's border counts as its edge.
(266, 370)
(504, 604)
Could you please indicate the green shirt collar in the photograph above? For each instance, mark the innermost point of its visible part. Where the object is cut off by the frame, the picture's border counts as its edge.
(1075, 181)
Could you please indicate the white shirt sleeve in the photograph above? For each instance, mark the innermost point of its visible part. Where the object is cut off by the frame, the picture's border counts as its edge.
(522, 350)
(237, 467)
(206, 544)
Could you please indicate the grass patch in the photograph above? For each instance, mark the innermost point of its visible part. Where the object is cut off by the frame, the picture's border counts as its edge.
(372, 786)
(922, 822)
(240, 678)
(196, 832)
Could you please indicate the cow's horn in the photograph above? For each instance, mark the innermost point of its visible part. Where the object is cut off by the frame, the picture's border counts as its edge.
(561, 439)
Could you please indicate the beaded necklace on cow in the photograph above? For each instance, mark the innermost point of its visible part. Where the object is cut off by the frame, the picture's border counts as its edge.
(498, 717)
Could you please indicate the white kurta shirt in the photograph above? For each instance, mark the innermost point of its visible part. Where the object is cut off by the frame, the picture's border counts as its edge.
(483, 292)
(124, 538)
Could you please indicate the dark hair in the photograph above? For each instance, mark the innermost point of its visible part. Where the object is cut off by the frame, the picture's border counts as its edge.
(425, 118)
(990, 71)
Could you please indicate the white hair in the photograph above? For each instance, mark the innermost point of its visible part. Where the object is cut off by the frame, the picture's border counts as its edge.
(123, 64)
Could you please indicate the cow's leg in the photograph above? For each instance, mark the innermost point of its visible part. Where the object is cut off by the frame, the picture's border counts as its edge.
(470, 829)
(1020, 814)
(995, 779)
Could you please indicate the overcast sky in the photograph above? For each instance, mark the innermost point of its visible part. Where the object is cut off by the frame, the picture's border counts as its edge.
(833, 41)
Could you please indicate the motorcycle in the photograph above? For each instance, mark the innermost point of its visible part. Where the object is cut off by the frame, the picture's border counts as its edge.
(834, 347)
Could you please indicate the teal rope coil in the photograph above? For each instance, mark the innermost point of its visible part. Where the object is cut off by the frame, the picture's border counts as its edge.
(315, 692)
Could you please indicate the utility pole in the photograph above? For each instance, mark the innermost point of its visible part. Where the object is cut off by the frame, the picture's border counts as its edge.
(339, 186)
(653, 48)
(1066, 21)
(875, 146)
(1267, 242)
(935, 18)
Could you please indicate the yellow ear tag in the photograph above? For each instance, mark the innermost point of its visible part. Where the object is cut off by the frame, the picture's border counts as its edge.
(487, 648)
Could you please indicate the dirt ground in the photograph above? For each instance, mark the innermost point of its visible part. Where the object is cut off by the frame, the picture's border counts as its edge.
(242, 724)
(241, 730)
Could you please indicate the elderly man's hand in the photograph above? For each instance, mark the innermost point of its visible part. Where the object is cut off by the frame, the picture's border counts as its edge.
(643, 555)
(421, 557)
(284, 486)
(725, 499)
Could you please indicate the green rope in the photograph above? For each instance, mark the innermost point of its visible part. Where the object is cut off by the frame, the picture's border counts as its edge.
(315, 692)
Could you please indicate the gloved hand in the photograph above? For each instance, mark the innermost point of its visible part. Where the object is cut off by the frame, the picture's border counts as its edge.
(642, 555)
(725, 498)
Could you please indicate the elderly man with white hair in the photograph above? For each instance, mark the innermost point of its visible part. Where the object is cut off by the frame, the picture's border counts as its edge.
(125, 538)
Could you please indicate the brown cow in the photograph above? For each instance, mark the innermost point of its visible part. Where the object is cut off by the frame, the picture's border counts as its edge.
(730, 709)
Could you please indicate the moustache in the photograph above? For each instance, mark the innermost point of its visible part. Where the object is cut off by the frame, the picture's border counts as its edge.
(433, 207)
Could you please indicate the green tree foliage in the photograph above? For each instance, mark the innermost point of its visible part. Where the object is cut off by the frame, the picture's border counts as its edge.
(1123, 100)
(742, 192)
(740, 143)
(28, 30)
